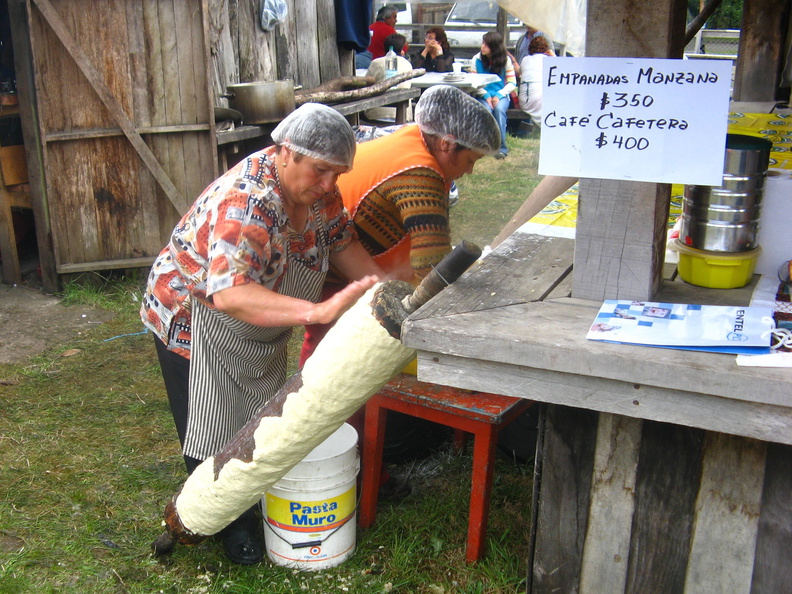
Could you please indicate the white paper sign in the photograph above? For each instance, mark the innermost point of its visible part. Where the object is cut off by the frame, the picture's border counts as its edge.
(635, 119)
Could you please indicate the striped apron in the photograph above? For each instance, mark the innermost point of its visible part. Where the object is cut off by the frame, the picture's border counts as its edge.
(236, 367)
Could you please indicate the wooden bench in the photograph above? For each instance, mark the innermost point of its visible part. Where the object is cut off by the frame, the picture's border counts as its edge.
(517, 114)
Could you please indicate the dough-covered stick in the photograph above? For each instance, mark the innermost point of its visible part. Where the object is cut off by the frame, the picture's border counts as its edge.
(356, 358)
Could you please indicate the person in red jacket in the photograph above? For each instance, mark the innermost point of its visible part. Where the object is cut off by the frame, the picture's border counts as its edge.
(380, 29)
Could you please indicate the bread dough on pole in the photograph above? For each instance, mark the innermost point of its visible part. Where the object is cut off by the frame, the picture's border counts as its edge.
(356, 358)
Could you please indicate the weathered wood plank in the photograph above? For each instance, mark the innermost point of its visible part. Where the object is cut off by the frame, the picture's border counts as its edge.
(138, 72)
(620, 227)
(620, 247)
(167, 213)
(169, 41)
(286, 48)
(308, 46)
(727, 515)
(327, 48)
(568, 460)
(772, 570)
(667, 482)
(146, 190)
(685, 408)
(524, 269)
(754, 80)
(551, 336)
(611, 506)
(23, 65)
(224, 66)
(257, 60)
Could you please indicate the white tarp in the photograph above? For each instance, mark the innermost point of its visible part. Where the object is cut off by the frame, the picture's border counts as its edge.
(563, 20)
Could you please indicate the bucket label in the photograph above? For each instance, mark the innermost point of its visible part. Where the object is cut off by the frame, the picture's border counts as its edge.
(310, 516)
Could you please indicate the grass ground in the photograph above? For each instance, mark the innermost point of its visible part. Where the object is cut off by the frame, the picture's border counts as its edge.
(90, 458)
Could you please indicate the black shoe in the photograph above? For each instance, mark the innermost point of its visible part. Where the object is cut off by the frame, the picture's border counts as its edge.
(241, 539)
(500, 155)
(394, 490)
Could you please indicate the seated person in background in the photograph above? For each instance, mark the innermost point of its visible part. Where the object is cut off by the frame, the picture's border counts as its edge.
(362, 60)
(380, 29)
(494, 59)
(521, 49)
(377, 70)
(531, 81)
(436, 55)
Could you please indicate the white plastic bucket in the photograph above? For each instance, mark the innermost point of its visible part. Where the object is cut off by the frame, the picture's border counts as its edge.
(310, 514)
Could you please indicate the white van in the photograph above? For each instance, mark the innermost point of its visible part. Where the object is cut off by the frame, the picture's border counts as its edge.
(472, 19)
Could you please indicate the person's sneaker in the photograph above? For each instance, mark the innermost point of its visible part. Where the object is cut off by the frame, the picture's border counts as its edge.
(453, 194)
(500, 155)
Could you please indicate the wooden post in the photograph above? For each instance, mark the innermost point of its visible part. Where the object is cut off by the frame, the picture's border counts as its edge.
(761, 46)
(23, 67)
(620, 238)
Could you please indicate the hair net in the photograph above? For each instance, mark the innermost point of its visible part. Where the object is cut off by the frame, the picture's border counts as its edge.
(444, 110)
(317, 131)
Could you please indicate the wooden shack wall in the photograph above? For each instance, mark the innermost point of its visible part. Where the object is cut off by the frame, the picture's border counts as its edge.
(302, 49)
(120, 132)
(125, 124)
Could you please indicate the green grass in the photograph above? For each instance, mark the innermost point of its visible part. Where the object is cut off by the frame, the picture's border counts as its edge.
(90, 458)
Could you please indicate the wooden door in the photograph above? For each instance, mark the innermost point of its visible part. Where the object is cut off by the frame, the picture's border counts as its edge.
(125, 121)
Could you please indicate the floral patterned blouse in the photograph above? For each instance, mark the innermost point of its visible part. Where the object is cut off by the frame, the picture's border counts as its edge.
(236, 233)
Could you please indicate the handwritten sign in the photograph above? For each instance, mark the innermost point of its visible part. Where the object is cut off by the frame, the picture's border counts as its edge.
(635, 119)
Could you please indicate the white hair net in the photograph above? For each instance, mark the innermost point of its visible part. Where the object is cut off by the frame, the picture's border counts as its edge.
(317, 131)
(444, 110)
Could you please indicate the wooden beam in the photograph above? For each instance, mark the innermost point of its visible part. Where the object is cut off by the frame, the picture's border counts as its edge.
(23, 68)
(701, 18)
(760, 54)
(620, 236)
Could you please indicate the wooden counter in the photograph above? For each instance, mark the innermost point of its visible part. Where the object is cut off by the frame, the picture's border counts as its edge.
(657, 469)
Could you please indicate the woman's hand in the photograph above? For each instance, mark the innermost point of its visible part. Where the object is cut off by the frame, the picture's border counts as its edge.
(433, 47)
(331, 309)
(493, 101)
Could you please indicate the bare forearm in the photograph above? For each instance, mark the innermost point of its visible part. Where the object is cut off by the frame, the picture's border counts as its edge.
(257, 305)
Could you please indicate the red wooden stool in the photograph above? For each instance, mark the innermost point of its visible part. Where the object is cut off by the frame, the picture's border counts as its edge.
(479, 413)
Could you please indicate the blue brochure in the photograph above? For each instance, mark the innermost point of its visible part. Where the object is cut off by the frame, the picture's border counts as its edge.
(711, 328)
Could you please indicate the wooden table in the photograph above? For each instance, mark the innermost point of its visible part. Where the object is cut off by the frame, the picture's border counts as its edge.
(467, 81)
(657, 469)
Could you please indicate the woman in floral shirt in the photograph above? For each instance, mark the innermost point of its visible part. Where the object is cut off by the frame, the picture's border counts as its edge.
(244, 265)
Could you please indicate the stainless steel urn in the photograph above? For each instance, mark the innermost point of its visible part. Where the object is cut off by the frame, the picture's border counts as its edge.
(726, 218)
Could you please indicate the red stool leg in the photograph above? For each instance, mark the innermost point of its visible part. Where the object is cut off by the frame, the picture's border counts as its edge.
(460, 440)
(483, 463)
(373, 443)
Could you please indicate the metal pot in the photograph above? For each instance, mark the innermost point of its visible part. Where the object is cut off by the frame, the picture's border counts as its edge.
(261, 102)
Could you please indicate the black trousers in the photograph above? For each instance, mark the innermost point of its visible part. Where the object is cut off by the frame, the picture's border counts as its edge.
(176, 374)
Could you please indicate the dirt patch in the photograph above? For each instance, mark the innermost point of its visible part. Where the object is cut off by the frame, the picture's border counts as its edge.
(32, 322)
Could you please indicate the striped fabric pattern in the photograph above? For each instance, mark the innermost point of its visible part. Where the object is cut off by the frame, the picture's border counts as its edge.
(414, 202)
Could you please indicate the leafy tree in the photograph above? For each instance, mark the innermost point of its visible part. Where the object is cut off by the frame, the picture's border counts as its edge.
(727, 16)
